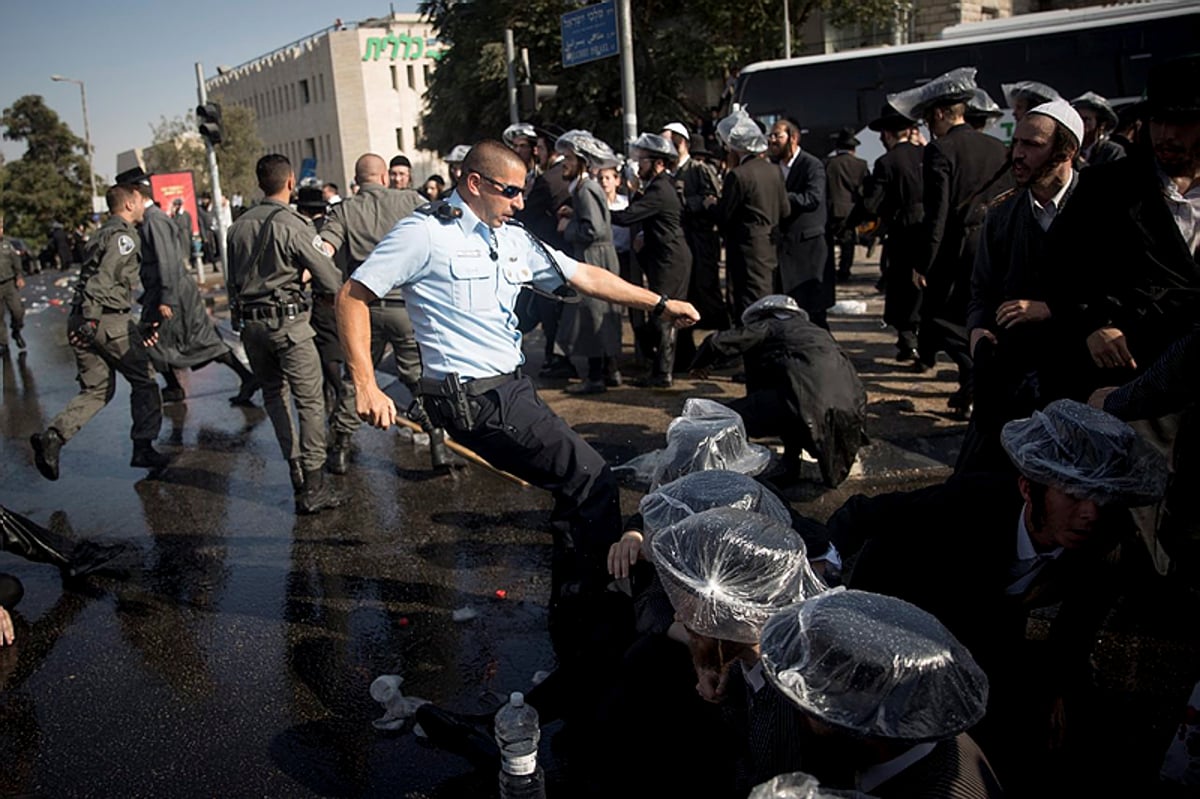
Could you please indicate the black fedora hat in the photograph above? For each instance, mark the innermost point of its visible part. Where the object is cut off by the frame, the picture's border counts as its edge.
(1173, 88)
(136, 176)
(845, 139)
(310, 197)
(891, 120)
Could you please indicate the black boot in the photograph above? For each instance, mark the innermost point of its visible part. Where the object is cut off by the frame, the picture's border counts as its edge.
(18, 339)
(46, 447)
(22, 537)
(145, 456)
(245, 394)
(296, 472)
(317, 495)
(338, 461)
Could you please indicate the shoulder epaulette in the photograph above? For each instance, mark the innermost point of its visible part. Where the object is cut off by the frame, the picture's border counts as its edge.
(442, 209)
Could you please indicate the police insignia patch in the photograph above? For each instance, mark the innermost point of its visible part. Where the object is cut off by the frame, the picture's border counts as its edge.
(125, 244)
(319, 243)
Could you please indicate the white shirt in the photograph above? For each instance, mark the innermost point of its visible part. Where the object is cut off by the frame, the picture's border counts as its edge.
(880, 773)
(1185, 208)
(1028, 561)
(1045, 214)
(785, 168)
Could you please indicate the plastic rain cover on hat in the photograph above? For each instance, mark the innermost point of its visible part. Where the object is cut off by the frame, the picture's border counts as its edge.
(678, 128)
(799, 785)
(1063, 113)
(982, 104)
(875, 666)
(653, 144)
(1034, 93)
(771, 305)
(1086, 453)
(700, 491)
(727, 570)
(739, 132)
(569, 142)
(458, 154)
(707, 436)
(1098, 104)
(957, 84)
(598, 154)
(516, 130)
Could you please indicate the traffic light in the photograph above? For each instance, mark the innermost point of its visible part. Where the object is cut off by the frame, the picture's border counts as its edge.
(532, 95)
(209, 117)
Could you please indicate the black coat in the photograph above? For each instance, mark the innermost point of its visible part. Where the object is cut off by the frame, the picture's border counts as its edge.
(820, 388)
(1123, 262)
(665, 257)
(958, 171)
(696, 180)
(550, 192)
(752, 205)
(802, 250)
(845, 174)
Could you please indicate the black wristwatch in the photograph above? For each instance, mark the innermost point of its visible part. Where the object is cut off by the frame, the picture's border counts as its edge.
(658, 309)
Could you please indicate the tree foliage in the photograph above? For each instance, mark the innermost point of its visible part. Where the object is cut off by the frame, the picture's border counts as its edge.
(179, 148)
(673, 43)
(49, 182)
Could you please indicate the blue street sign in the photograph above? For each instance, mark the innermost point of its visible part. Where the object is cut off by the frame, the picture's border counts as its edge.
(589, 34)
(308, 168)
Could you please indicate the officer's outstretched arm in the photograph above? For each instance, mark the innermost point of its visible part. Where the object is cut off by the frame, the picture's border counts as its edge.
(354, 332)
(598, 282)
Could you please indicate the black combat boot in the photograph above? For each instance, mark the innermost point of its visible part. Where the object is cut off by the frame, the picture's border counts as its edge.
(317, 494)
(145, 456)
(46, 447)
(338, 461)
(18, 339)
(296, 472)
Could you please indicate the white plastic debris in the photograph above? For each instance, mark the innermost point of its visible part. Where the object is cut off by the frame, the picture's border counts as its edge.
(420, 439)
(539, 677)
(464, 614)
(398, 708)
(849, 308)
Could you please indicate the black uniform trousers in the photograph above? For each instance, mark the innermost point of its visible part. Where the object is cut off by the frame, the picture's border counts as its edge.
(515, 431)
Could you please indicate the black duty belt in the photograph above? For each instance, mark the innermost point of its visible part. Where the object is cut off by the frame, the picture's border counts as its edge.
(252, 313)
(7, 280)
(473, 388)
(386, 303)
(109, 311)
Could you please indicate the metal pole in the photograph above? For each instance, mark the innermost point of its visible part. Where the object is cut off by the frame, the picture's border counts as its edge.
(87, 137)
(510, 58)
(628, 92)
(218, 201)
(787, 30)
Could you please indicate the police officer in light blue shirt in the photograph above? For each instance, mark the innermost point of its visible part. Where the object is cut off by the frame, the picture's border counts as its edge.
(460, 268)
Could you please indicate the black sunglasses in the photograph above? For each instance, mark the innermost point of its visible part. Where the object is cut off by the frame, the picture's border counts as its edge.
(506, 190)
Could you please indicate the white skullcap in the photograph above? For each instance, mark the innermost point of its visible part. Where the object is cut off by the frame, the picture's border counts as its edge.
(1062, 112)
(680, 128)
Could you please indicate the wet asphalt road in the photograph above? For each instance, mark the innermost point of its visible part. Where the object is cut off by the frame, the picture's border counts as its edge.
(234, 657)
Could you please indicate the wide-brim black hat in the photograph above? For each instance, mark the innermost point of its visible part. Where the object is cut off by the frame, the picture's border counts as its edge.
(136, 176)
(1173, 88)
(891, 120)
(310, 197)
(845, 139)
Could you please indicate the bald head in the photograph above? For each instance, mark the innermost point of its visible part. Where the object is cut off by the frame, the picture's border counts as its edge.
(490, 157)
(370, 168)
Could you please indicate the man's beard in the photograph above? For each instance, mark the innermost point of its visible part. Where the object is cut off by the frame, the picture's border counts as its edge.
(1180, 165)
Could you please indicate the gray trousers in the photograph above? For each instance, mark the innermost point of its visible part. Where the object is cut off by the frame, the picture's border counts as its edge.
(10, 298)
(284, 358)
(117, 348)
(390, 324)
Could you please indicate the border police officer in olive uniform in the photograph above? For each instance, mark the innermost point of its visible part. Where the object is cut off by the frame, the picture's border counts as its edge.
(460, 268)
(107, 340)
(270, 246)
(351, 231)
(11, 283)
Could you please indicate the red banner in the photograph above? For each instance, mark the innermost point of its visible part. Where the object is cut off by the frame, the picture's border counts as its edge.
(172, 186)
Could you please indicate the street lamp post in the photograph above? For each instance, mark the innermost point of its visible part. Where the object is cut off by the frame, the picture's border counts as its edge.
(87, 136)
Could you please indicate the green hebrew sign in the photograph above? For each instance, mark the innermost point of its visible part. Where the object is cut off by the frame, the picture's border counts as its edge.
(414, 47)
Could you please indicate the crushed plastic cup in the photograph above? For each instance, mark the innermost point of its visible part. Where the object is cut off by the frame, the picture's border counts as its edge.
(420, 439)
(386, 687)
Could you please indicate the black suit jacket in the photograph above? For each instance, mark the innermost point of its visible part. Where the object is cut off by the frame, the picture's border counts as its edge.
(1123, 262)
(957, 170)
(845, 173)
(665, 256)
(550, 192)
(799, 260)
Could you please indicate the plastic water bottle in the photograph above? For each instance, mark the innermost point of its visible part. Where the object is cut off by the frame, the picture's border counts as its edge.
(517, 735)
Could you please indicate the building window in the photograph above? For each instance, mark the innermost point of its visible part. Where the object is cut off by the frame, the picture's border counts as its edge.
(416, 136)
(304, 98)
(321, 85)
(412, 77)
(400, 139)
(427, 74)
(395, 78)
(310, 148)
